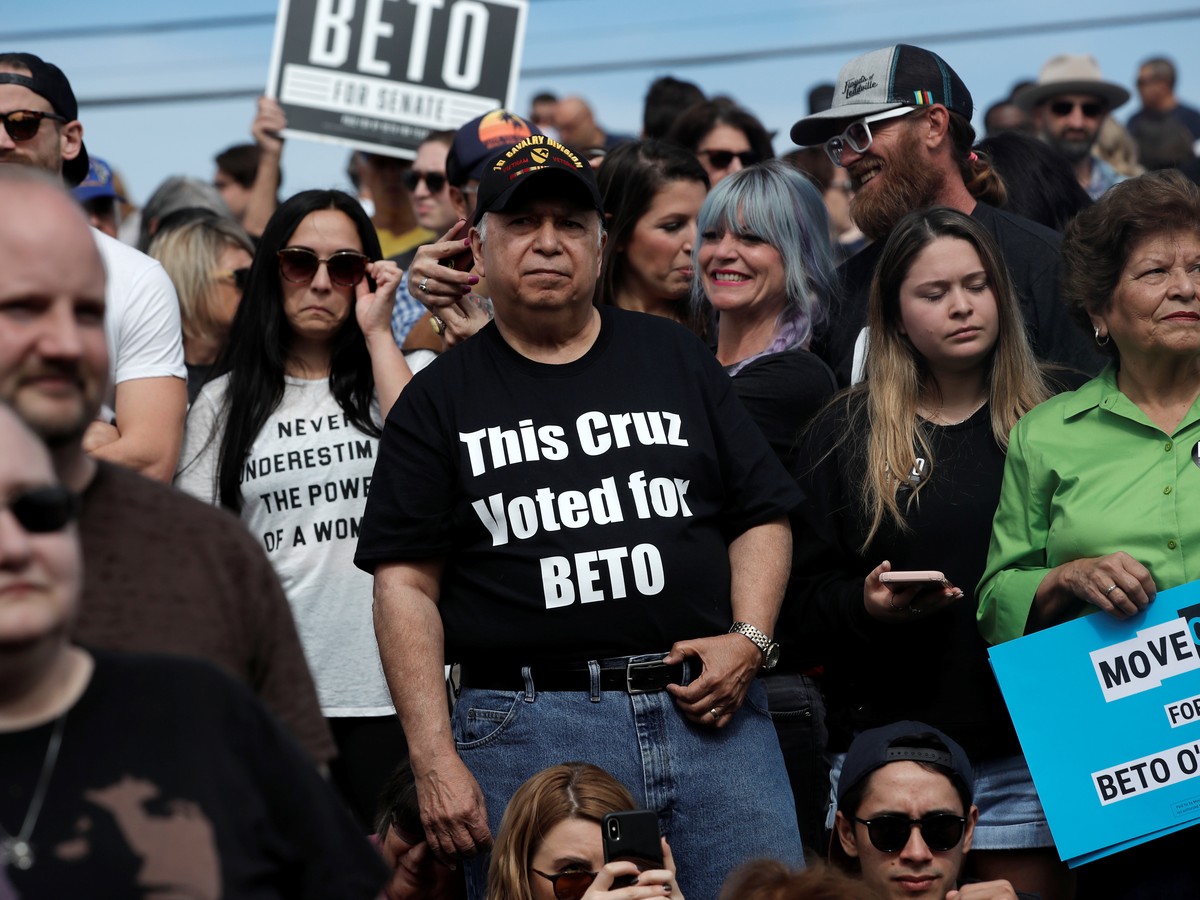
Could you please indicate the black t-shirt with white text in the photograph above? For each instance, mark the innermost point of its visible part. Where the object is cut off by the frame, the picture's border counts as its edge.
(583, 510)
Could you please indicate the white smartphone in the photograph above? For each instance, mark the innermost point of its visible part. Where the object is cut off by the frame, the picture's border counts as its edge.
(923, 579)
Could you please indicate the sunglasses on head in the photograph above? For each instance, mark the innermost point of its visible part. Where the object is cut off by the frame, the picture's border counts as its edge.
(1091, 109)
(721, 159)
(857, 135)
(45, 509)
(889, 833)
(299, 265)
(435, 181)
(239, 277)
(23, 124)
(569, 885)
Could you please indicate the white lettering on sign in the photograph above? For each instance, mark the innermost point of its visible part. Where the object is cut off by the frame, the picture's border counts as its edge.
(330, 45)
(1141, 663)
(466, 39)
(374, 28)
(422, 26)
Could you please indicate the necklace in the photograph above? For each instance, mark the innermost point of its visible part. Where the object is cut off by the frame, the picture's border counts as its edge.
(936, 416)
(17, 850)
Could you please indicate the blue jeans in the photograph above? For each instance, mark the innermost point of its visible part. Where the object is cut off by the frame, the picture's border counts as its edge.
(722, 797)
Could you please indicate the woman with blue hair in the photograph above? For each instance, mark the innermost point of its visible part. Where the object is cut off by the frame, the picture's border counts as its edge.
(764, 266)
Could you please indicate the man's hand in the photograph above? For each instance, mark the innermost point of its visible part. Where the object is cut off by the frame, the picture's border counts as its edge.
(267, 125)
(730, 662)
(453, 811)
(985, 890)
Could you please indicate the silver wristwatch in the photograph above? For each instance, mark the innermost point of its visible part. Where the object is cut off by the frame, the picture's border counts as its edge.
(770, 649)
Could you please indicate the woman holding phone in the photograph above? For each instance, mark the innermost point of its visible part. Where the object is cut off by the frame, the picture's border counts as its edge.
(286, 437)
(902, 472)
(550, 846)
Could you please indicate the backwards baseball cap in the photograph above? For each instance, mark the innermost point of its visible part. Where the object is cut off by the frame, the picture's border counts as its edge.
(47, 80)
(535, 158)
(479, 140)
(905, 741)
(900, 75)
(98, 184)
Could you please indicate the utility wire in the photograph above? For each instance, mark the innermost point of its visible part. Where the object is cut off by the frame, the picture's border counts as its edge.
(717, 59)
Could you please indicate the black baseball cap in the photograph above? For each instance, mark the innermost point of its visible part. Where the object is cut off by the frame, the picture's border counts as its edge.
(535, 157)
(906, 741)
(47, 80)
(900, 75)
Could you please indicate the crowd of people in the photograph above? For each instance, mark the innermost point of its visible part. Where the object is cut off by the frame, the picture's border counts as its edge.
(562, 473)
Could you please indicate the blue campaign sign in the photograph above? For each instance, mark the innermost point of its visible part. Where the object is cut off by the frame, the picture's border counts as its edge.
(1108, 713)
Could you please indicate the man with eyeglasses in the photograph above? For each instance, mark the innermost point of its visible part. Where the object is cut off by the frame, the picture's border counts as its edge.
(1068, 103)
(905, 817)
(900, 125)
(147, 390)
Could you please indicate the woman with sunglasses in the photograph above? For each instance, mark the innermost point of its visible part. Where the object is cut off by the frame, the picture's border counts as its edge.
(723, 136)
(652, 193)
(208, 261)
(902, 472)
(286, 437)
(549, 846)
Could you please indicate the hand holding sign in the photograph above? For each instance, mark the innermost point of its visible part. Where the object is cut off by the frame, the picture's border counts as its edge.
(1117, 584)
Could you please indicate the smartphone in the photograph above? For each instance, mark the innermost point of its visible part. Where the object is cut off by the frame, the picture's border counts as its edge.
(632, 835)
(923, 579)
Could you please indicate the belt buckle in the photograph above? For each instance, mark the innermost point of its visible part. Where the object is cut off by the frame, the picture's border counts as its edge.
(634, 666)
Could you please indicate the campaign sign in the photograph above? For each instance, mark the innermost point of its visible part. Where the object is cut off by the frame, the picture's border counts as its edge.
(380, 75)
(1108, 713)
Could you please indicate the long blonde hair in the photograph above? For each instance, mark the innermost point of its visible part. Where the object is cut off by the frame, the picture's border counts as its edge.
(574, 790)
(896, 374)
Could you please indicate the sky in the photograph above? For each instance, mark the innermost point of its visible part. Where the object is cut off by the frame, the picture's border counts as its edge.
(990, 45)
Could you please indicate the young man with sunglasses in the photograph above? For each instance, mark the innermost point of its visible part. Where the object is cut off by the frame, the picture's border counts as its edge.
(128, 775)
(900, 125)
(142, 425)
(1068, 103)
(905, 819)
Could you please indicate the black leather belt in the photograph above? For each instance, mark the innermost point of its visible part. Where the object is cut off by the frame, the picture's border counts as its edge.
(632, 676)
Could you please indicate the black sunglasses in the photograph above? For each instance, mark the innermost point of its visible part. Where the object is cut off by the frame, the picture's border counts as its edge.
(299, 265)
(1062, 108)
(45, 509)
(23, 124)
(569, 885)
(238, 276)
(889, 834)
(435, 181)
(720, 159)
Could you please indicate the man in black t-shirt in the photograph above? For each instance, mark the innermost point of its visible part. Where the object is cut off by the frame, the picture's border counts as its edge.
(900, 124)
(574, 506)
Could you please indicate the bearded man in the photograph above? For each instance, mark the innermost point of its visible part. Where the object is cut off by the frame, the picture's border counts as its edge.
(900, 125)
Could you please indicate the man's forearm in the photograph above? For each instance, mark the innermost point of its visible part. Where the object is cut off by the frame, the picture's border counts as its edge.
(759, 560)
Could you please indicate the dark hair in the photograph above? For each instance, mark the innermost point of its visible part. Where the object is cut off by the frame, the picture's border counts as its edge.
(240, 162)
(769, 879)
(813, 162)
(1039, 182)
(258, 343)
(544, 97)
(1098, 242)
(446, 136)
(1163, 68)
(981, 180)
(629, 179)
(665, 100)
(699, 119)
(398, 805)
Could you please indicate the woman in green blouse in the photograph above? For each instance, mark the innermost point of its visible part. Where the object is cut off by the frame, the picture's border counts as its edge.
(1100, 505)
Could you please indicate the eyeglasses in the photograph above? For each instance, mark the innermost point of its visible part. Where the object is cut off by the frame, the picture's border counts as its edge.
(720, 159)
(238, 276)
(857, 135)
(1091, 109)
(45, 509)
(435, 181)
(23, 124)
(569, 885)
(299, 265)
(889, 834)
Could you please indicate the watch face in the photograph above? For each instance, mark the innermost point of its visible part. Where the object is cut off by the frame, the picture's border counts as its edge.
(772, 656)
